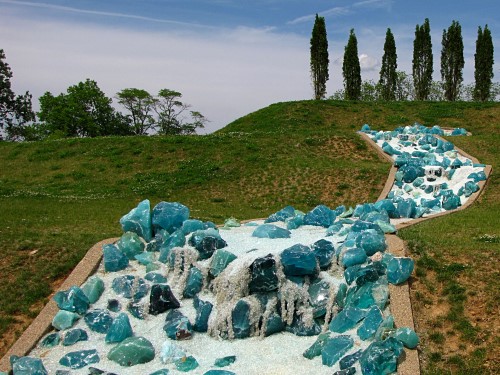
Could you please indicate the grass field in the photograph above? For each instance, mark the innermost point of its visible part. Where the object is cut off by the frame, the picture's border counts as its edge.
(58, 198)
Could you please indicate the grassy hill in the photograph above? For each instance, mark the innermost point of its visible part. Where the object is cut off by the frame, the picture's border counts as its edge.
(58, 198)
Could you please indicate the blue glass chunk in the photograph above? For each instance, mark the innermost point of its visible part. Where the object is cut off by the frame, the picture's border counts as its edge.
(241, 319)
(73, 336)
(319, 292)
(162, 371)
(350, 359)
(113, 305)
(186, 364)
(79, 359)
(407, 336)
(281, 215)
(176, 239)
(353, 256)
(299, 327)
(98, 320)
(299, 260)
(274, 324)
(155, 277)
(381, 357)
(295, 221)
(51, 340)
(194, 283)
(130, 244)
(138, 220)
(203, 311)
(73, 300)
(114, 259)
(399, 269)
(145, 258)
(27, 366)
(120, 329)
(206, 242)
(335, 348)
(219, 372)
(270, 231)
(162, 299)
(320, 216)
(220, 260)
(347, 319)
(171, 352)
(93, 288)
(129, 286)
(324, 251)
(263, 276)
(192, 225)
(169, 216)
(132, 351)
(177, 326)
(371, 241)
(64, 319)
(315, 349)
(370, 324)
(406, 208)
(225, 361)
(137, 310)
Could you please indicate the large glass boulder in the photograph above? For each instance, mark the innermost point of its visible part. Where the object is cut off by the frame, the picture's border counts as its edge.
(371, 242)
(162, 299)
(451, 201)
(334, 348)
(192, 225)
(319, 292)
(79, 359)
(399, 269)
(346, 319)
(353, 256)
(324, 251)
(169, 216)
(381, 357)
(177, 326)
(263, 276)
(270, 231)
(296, 221)
(299, 260)
(132, 351)
(206, 242)
(370, 324)
(368, 294)
(320, 216)
(130, 244)
(406, 208)
(138, 220)
(114, 259)
(274, 324)
(73, 299)
(281, 215)
(407, 336)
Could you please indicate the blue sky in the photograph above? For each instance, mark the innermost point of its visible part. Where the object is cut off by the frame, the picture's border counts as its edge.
(227, 57)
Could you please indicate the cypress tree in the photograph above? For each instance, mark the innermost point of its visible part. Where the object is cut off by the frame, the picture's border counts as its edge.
(351, 69)
(452, 61)
(319, 58)
(483, 61)
(422, 61)
(388, 75)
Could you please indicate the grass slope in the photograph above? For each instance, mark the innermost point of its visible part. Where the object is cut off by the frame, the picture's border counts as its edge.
(60, 197)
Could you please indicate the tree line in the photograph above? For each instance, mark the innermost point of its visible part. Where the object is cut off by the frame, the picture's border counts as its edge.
(85, 111)
(398, 85)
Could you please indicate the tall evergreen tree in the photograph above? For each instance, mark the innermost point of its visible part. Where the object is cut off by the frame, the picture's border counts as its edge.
(422, 61)
(351, 69)
(319, 58)
(483, 61)
(388, 74)
(452, 61)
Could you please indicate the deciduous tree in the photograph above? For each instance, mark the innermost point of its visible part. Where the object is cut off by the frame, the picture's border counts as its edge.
(319, 58)
(483, 61)
(388, 75)
(351, 69)
(422, 61)
(140, 104)
(452, 61)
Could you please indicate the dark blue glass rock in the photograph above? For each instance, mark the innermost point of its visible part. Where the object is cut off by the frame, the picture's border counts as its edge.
(98, 320)
(73, 300)
(263, 277)
(114, 305)
(93, 288)
(120, 329)
(138, 220)
(334, 348)
(350, 360)
(194, 283)
(370, 324)
(176, 239)
(399, 269)
(225, 361)
(270, 231)
(206, 242)
(241, 319)
(319, 292)
(347, 319)
(362, 273)
(155, 277)
(274, 324)
(281, 215)
(203, 311)
(341, 295)
(353, 256)
(114, 259)
(27, 366)
(220, 260)
(177, 326)
(72, 336)
(132, 351)
(51, 340)
(79, 359)
(301, 328)
(169, 216)
(162, 299)
(320, 216)
(129, 286)
(299, 260)
(137, 310)
(381, 357)
(347, 371)
(324, 251)
(130, 244)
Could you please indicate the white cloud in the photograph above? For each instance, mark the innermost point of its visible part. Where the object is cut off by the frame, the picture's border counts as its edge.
(385, 4)
(332, 12)
(368, 63)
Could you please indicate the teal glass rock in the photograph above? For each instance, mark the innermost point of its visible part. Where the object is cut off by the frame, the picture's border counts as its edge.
(299, 260)
(27, 366)
(241, 319)
(98, 320)
(263, 276)
(155, 277)
(186, 364)
(64, 320)
(360, 226)
(349, 360)
(191, 225)
(368, 294)
(451, 202)
(219, 372)
(371, 241)
(220, 260)
(73, 300)
(79, 359)
(406, 208)
(163, 371)
(93, 288)
(114, 305)
(477, 176)
(176, 239)
(225, 361)
(341, 295)
(162, 299)
(399, 269)
(274, 324)
(386, 329)
(362, 273)
(145, 258)
(138, 220)
(177, 326)
(365, 128)
(407, 336)
(347, 319)
(120, 329)
(72, 336)
(320, 216)
(270, 231)
(324, 251)
(348, 371)
(130, 244)
(370, 324)
(137, 310)
(155, 266)
(381, 357)
(386, 227)
(281, 215)
(319, 292)
(334, 229)
(51, 340)
(295, 221)
(334, 348)
(132, 351)
(203, 311)
(315, 349)
(169, 216)
(129, 286)
(114, 259)
(353, 256)
(231, 223)
(301, 328)
(194, 283)
(206, 242)
(171, 352)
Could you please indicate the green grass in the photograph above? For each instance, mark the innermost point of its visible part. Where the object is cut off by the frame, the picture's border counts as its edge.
(60, 197)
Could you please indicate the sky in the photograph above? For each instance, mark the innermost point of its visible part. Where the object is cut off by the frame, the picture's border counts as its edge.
(227, 57)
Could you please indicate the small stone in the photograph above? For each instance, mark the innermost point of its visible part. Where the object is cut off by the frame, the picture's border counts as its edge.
(334, 348)
(370, 324)
(27, 366)
(120, 329)
(381, 357)
(324, 251)
(169, 216)
(270, 231)
(171, 352)
(114, 259)
(73, 300)
(132, 351)
(129, 286)
(263, 276)
(407, 336)
(163, 371)
(220, 260)
(353, 256)
(225, 361)
(177, 326)
(206, 242)
(93, 288)
(138, 220)
(155, 277)
(194, 283)
(241, 319)
(114, 305)
(274, 324)
(219, 372)
(130, 244)
(347, 319)
(73, 336)
(186, 364)
(203, 311)
(51, 340)
(299, 260)
(399, 269)
(137, 310)
(347, 371)
(162, 299)
(64, 320)
(315, 349)
(350, 360)
(79, 359)
(98, 320)
(319, 292)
